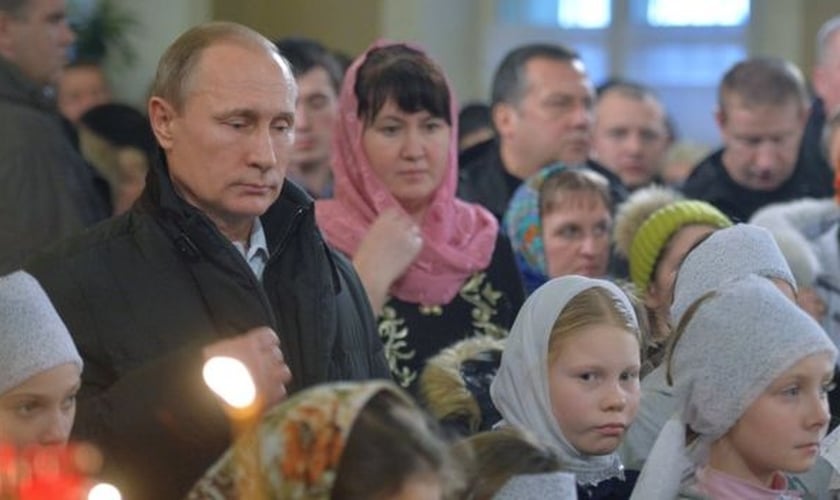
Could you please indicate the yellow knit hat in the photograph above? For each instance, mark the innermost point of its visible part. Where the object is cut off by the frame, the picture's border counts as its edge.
(657, 229)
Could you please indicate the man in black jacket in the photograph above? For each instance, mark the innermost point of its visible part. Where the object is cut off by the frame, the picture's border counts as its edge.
(541, 108)
(47, 191)
(219, 257)
(762, 108)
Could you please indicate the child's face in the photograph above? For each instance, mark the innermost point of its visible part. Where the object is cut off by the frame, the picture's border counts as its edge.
(782, 429)
(41, 409)
(660, 293)
(594, 387)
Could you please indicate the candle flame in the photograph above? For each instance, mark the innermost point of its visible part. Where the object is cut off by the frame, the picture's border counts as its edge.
(104, 491)
(230, 380)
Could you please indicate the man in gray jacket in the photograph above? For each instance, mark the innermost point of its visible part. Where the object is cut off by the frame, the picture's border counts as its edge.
(220, 256)
(46, 189)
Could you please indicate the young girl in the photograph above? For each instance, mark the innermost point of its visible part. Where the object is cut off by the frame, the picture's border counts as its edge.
(40, 368)
(654, 230)
(727, 254)
(751, 371)
(338, 441)
(559, 223)
(569, 375)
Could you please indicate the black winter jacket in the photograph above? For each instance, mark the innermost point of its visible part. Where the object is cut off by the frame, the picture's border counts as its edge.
(47, 191)
(143, 293)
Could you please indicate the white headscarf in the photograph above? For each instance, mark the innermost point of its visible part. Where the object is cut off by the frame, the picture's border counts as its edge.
(33, 339)
(727, 255)
(520, 390)
(737, 342)
(558, 485)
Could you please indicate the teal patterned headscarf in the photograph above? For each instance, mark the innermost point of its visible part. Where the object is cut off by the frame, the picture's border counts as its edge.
(522, 225)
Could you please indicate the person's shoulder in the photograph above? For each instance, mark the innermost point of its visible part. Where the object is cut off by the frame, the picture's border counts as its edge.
(476, 155)
(709, 172)
(90, 243)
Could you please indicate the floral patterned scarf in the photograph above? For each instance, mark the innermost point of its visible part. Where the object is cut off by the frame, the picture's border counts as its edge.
(295, 450)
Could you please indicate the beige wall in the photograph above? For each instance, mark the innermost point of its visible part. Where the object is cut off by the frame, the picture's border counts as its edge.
(349, 25)
(452, 30)
(154, 32)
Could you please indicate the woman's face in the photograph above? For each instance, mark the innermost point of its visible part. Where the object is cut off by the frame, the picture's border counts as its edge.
(781, 430)
(576, 236)
(593, 381)
(660, 292)
(40, 411)
(409, 153)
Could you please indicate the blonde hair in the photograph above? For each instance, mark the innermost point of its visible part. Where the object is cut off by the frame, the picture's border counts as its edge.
(593, 306)
(572, 181)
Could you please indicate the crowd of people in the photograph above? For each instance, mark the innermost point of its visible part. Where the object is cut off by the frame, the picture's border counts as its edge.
(507, 300)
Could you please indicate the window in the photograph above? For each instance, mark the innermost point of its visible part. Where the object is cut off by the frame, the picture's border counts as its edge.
(680, 48)
(697, 13)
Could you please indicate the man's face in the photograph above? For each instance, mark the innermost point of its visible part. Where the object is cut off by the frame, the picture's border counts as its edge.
(37, 40)
(552, 120)
(827, 75)
(229, 146)
(761, 141)
(629, 137)
(315, 116)
(79, 89)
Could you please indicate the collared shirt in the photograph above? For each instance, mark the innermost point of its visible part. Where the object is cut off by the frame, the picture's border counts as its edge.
(256, 254)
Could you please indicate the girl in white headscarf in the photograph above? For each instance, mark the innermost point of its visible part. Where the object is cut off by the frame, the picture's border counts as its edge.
(751, 371)
(570, 376)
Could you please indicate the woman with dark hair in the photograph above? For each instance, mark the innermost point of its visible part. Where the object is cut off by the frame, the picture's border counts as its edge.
(436, 269)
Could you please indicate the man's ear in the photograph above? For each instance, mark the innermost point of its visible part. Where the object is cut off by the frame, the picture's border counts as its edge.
(162, 116)
(504, 118)
(720, 117)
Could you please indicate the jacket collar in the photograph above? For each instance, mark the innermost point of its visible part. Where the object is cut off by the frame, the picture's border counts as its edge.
(161, 199)
(16, 87)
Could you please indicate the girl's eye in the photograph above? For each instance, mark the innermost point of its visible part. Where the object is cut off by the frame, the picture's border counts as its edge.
(630, 375)
(26, 409)
(826, 388)
(587, 377)
(792, 391)
(69, 402)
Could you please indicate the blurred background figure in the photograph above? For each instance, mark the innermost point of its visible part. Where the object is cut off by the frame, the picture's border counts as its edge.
(762, 109)
(81, 86)
(679, 161)
(318, 75)
(629, 133)
(474, 125)
(117, 141)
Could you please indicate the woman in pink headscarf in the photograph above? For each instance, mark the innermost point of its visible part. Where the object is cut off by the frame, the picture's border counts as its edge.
(436, 269)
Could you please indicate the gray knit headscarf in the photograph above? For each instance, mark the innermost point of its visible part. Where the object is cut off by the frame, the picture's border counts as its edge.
(735, 345)
(727, 255)
(520, 389)
(32, 336)
(559, 485)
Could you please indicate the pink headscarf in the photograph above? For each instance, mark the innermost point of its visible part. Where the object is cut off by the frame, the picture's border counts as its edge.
(458, 237)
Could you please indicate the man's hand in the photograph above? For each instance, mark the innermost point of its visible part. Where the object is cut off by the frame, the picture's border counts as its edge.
(259, 350)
